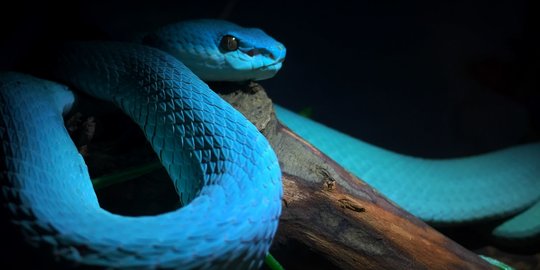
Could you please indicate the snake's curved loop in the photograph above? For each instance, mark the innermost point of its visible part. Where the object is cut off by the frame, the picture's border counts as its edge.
(223, 168)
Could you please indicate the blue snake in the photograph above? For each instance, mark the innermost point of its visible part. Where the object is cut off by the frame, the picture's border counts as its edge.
(226, 174)
(224, 171)
(442, 192)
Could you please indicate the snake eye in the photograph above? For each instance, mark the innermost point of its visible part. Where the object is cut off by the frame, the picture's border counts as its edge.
(229, 43)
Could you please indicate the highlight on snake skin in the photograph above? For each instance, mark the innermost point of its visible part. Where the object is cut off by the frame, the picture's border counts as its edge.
(223, 169)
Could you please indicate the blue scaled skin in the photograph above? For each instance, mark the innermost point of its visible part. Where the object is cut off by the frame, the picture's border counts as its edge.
(444, 192)
(224, 170)
(256, 55)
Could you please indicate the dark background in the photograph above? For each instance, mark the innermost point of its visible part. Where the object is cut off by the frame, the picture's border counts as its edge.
(428, 78)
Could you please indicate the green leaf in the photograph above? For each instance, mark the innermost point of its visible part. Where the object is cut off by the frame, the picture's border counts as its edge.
(496, 263)
(272, 263)
(122, 176)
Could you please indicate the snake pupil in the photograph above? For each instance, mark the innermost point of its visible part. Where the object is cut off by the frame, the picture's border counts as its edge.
(229, 43)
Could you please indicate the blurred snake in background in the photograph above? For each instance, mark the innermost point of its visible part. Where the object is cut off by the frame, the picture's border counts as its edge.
(223, 169)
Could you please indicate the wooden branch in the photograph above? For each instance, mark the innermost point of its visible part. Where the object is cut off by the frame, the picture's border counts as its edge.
(330, 219)
(333, 220)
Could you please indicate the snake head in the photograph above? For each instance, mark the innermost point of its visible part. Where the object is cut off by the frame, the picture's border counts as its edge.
(217, 50)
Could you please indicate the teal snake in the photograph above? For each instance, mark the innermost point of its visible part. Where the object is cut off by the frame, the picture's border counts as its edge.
(224, 170)
(442, 192)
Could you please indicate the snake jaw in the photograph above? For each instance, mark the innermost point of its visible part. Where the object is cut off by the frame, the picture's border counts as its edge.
(274, 66)
(256, 55)
(264, 62)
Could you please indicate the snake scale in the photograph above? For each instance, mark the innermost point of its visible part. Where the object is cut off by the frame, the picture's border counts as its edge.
(225, 172)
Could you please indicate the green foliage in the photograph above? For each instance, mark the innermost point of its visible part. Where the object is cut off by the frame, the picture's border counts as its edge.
(272, 263)
(125, 175)
(306, 112)
(500, 265)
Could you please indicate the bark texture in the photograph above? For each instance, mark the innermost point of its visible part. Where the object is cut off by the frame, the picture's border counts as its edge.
(333, 220)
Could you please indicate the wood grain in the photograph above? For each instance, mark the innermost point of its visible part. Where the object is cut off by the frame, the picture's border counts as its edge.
(333, 220)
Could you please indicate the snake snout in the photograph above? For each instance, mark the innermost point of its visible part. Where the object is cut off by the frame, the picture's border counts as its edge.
(278, 53)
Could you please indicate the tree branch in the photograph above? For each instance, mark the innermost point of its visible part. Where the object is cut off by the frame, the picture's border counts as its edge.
(333, 220)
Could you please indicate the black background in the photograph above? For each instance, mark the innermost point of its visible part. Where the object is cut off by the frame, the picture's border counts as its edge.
(428, 78)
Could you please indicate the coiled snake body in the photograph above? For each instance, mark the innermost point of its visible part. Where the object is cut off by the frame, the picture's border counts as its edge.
(225, 172)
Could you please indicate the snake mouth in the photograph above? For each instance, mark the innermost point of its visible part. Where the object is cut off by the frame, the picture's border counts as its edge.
(271, 66)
